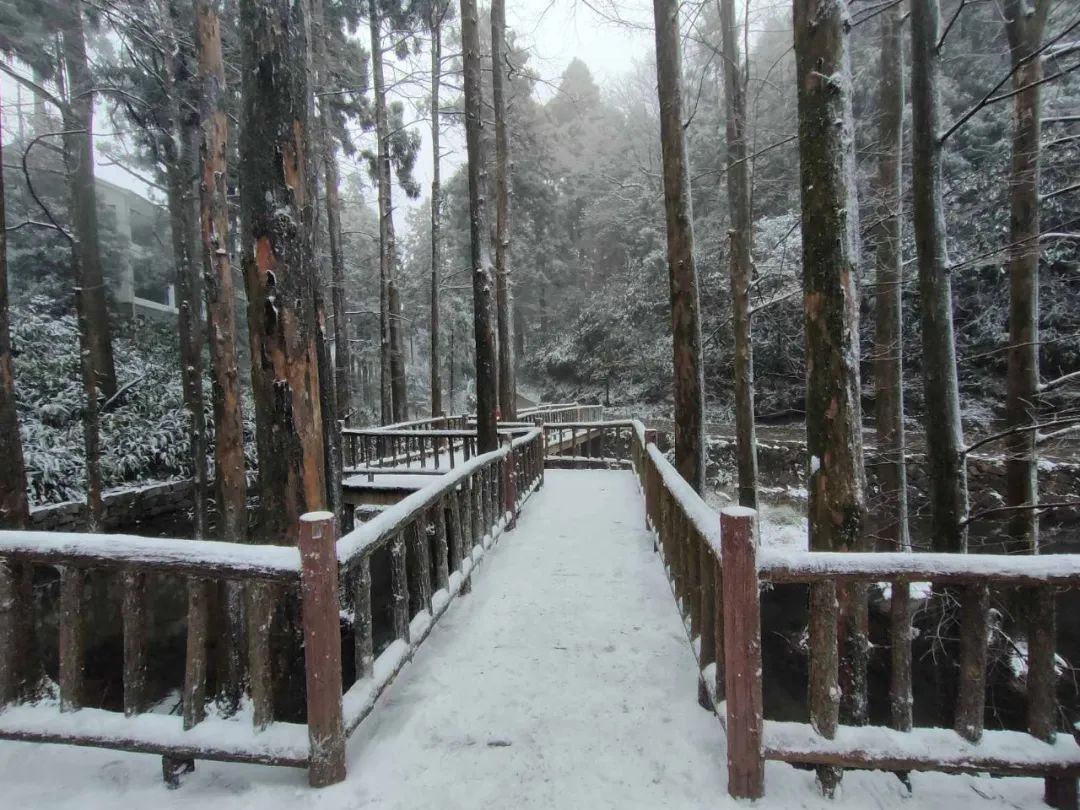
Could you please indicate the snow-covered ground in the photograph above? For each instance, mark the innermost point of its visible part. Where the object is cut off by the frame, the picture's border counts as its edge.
(564, 681)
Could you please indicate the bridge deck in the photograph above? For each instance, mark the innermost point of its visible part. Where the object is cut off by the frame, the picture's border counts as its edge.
(563, 681)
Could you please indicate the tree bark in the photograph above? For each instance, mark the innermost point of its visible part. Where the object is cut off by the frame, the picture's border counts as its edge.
(331, 370)
(503, 292)
(1025, 31)
(830, 236)
(688, 387)
(14, 503)
(944, 432)
(741, 245)
(179, 171)
(78, 122)
(438, 11)
(230, 479)
(480, 260)
(394, 395)
(386, 395)
(77, 152)
(888, 361)
(277, 209)
(16, 580)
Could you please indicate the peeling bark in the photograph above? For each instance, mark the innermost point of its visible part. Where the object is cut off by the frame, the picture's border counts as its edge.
(277, 210)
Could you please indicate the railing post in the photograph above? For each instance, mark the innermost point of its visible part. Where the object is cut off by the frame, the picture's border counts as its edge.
(742, 653)
(509, 487)
(322, 648)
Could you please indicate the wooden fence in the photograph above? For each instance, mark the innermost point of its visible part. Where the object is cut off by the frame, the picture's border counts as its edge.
(717, 570)
(431, 542)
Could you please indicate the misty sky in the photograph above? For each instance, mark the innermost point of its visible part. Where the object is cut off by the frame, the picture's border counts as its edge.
(554, 31)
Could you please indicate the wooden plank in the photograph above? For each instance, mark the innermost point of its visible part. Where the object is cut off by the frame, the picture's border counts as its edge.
(195, 659)
(693, 580)
(824, 689)
(718, 594)
(399, 588)
(437, 523)
(363, 643)
(419, 566)
(900, 697)
(320, 610)
(72, 638)
(974, 630)
(742, 655)
(260, 605)
(133, 612)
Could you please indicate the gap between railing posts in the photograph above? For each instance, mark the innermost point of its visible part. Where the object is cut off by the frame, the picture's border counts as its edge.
(742, 653)
(322, 648)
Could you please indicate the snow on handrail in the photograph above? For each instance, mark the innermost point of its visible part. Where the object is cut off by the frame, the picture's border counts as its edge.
(369, 536)
(704, 518)
(776, 565)
(195, 557)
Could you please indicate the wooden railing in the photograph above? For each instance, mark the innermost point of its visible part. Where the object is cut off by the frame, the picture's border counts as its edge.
(717, 570)
(595, 445)
(569, 412)
(426, 547)
(394, 448)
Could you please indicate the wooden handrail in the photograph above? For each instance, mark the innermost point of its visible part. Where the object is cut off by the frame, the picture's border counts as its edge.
(714, 564)
(198, 558)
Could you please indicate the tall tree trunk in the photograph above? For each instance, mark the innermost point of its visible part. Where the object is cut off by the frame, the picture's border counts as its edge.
(1024, 27)
(78, 116)
(229, 477)
(328, 148)
(278, 206)
(398, 379)
(329, 367)
(944, 432)
(480, 260)
(438, 11)
(77, 152)
(503, 292)
(14, 504)
(393, 353)
(180, 169)
(830, 235)
(386, 223)
(16, 579)
(688, 387)
(742, 271)
(450, 371)
(888, 362)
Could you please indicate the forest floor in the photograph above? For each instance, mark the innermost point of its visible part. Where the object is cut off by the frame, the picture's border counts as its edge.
(564, 680)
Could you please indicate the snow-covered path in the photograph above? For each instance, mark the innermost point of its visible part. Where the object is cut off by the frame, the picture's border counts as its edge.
(563, 681)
